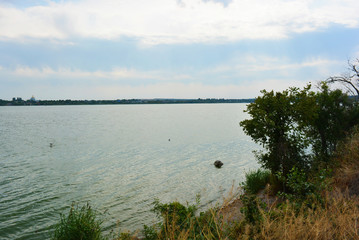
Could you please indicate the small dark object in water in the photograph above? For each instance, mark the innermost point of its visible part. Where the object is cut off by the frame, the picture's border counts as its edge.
(51, 144)
(169, 139)
(218, 164)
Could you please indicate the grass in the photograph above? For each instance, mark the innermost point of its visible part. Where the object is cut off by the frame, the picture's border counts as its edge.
(256, 180)
(81, 223)
(347, 160)
(338, 219)
(181, 222)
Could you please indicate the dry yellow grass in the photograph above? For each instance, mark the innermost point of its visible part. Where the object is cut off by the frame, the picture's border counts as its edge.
(337, 220)
(347, 173)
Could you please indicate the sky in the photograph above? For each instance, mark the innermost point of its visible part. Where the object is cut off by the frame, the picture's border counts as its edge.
(117, 49)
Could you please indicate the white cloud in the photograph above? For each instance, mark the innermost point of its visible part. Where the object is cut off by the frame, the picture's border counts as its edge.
(167, 21)
(246, 81)
(46, 72)
(271, 67)
(116, 74)
(238, 68)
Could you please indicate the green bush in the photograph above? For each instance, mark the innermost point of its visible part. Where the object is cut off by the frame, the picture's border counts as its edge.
(150, 232)
(256, 180)
(180, 222)
(125, 236)
(79, 224)
(302, 187)
(175, 212)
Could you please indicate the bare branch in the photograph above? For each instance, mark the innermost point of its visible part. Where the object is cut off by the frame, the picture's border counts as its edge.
(351, 81)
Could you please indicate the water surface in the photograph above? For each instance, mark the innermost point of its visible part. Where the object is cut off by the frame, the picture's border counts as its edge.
(117, 157)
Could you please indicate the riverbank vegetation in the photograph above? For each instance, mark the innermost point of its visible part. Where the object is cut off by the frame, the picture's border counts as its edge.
(80, 223)
(308, 186)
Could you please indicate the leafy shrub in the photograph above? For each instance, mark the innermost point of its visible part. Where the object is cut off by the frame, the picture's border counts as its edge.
(303, 188)
(177, 220)
(256, 180)
(149, 232)
(126, 236)
(175, 212)
(180, 222)
(80, 223)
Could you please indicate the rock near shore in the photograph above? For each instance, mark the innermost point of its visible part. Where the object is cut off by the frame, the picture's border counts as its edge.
(218, 164)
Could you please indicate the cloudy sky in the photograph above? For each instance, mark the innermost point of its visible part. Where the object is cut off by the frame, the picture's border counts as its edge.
(114, 49)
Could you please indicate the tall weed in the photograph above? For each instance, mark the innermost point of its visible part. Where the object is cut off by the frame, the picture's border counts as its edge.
(80, 223)
(256, 180)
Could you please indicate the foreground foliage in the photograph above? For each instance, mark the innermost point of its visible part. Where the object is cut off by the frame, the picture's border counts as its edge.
(80, 223)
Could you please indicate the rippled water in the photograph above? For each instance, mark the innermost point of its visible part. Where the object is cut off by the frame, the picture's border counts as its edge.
(118, 157)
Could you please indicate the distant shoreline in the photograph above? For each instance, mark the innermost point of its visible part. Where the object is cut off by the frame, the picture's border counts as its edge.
(20, 102)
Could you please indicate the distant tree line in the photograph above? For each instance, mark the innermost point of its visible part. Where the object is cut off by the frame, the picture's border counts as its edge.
(21, 102)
